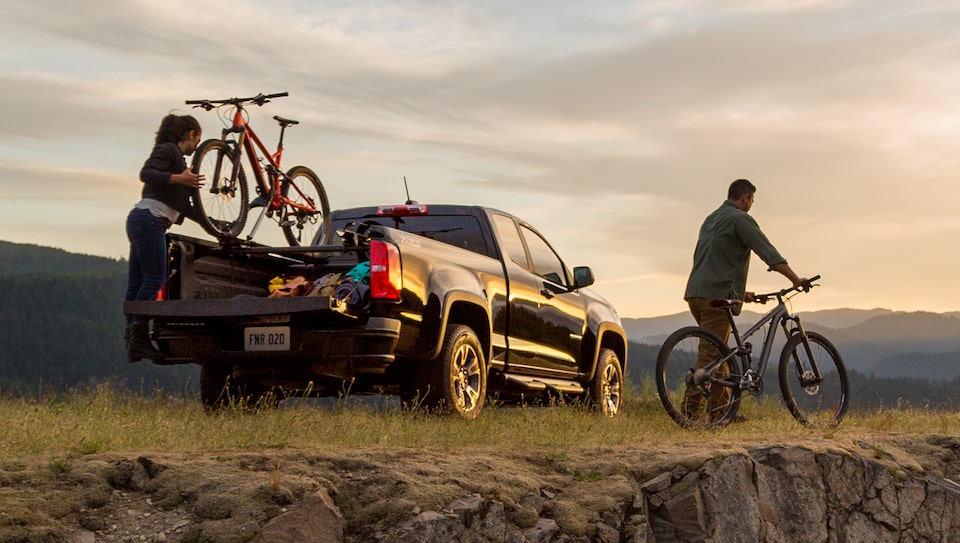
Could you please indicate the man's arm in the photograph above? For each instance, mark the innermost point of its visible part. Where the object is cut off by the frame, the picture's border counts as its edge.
(784, 269)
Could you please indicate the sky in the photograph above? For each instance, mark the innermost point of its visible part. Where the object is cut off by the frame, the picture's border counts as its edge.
(614, 127)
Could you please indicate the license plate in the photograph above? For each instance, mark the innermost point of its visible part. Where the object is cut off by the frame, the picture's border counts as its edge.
(266, 338)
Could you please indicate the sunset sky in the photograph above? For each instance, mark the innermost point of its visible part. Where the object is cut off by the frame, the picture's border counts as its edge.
(614, 127)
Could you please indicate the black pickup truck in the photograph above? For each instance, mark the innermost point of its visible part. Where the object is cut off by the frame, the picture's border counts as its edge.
(441, 305)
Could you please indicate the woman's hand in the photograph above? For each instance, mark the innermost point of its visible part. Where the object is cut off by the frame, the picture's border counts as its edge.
(188, 178)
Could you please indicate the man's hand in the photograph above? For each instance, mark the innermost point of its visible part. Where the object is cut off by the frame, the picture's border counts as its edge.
(749, 297)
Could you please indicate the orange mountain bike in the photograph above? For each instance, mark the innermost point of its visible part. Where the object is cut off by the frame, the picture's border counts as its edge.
(295, 199)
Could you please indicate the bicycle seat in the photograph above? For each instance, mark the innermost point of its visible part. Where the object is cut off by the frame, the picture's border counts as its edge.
(285, 122)
(724, 303)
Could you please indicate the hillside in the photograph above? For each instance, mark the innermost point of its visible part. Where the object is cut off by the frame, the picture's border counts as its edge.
(61, 316)
(23, 258)
(116, 468)
(868, 340)
(634, 494)
(61, 320)
(655, 329)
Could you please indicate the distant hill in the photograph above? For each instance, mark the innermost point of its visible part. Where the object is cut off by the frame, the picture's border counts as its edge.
(944, 366)
(875, 341)
(22, 258)
(655, 329)
(61, 321)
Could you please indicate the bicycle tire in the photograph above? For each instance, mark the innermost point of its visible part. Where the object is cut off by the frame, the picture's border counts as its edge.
(821, 405)
(301, 227)
(675, 363)
(221, 205)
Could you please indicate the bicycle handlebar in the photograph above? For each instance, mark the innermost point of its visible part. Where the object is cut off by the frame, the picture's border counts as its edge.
(803, 287)
(259, 100)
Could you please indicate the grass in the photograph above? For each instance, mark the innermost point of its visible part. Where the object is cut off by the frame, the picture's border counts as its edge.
(106, 421)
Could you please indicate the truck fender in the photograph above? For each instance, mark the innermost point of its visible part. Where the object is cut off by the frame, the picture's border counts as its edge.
(610, 335)
(470, 309)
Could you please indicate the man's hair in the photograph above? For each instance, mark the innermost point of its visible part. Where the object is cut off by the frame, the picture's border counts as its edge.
(740, 187)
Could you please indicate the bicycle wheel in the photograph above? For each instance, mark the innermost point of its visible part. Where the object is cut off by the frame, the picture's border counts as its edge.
(716, 400)
(814, 404)
(221, 206)
(305, 226)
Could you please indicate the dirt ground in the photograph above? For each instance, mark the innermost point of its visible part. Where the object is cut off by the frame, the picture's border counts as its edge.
(227, 496)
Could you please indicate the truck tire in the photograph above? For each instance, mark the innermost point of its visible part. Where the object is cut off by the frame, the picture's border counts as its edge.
(458, 380)
(213, 385)
(606, 388)
(219, 391)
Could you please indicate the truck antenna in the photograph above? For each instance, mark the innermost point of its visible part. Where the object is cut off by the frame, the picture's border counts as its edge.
(407, 188)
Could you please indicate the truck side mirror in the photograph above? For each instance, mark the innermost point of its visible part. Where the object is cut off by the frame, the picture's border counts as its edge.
(582, 277)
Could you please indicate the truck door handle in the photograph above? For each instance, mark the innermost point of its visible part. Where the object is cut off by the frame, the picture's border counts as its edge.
(546, 293)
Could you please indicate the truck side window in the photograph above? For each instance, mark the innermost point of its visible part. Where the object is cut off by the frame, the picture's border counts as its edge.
(546, 263)
(510, 241)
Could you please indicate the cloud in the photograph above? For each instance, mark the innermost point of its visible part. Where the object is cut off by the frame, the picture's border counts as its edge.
(614, 129)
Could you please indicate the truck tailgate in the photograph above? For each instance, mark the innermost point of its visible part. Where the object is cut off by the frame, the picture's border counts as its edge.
(240, 306)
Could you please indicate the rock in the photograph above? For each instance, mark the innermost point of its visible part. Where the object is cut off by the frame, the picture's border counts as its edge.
(545, 530)
(315, 520)
(797, 495)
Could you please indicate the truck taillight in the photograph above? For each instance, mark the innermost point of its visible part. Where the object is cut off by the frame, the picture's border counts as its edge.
(385, 281)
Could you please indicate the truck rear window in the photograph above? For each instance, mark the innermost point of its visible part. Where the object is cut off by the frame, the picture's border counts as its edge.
(459, 230)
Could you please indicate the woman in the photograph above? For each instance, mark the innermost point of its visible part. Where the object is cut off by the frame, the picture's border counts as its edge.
(167, 185)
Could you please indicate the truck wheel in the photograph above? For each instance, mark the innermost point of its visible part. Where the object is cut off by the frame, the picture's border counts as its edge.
(219, 391)
(606, 388)
(214, 393)
(460, 374)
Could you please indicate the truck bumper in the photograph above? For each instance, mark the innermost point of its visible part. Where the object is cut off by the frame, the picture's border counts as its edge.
(339, 348)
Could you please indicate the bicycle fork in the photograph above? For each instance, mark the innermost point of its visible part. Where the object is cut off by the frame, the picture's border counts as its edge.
(810, 378)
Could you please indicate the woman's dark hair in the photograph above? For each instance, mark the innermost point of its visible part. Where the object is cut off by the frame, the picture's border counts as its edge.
(740, 187)
(173, 128)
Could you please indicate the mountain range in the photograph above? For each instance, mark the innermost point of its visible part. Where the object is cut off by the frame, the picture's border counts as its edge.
(879, 342)
(60, 319)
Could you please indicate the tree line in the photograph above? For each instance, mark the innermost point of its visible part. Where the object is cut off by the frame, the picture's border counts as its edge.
(65, 331)
(61, 322)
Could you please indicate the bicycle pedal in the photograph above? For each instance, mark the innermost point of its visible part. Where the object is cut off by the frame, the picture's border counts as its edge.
(259, 201)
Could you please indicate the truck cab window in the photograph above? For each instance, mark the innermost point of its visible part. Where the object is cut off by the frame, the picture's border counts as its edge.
(510, 242)
(546, 263)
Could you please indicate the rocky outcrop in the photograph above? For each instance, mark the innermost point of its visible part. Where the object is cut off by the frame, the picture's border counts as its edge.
(769, 494)
(827, 489)
(778, 494)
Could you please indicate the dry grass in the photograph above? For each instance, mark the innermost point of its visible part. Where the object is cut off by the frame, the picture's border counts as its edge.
(104, 421)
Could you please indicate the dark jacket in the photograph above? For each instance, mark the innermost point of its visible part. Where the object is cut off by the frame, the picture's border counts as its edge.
(165, 160)
(722, 257)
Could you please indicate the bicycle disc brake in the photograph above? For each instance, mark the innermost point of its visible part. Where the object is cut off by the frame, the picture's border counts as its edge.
(810, 383)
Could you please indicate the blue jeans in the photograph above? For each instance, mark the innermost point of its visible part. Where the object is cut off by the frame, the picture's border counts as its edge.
(148, 256)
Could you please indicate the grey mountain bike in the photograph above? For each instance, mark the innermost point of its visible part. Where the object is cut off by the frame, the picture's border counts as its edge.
(813, 378)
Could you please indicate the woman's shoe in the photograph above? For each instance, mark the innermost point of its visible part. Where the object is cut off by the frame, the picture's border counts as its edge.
(139, 345)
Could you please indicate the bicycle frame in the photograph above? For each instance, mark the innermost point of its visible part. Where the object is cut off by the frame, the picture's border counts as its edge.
(248, 141)
(778, 317)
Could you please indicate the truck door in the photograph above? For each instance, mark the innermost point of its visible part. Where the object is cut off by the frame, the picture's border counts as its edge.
(546, 319)
(562, 313)
(521, 325)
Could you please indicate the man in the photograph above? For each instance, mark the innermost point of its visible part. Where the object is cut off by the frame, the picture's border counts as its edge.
(720, 264)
